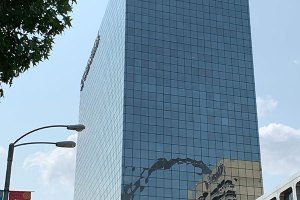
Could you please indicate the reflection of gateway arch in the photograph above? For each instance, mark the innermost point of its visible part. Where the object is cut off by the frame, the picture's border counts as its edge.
(161, 164)
(221, 183)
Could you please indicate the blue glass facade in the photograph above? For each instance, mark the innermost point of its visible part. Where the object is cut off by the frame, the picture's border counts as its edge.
(189, 129)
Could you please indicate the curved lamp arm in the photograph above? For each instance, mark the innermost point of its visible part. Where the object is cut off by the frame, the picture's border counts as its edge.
(28, 143)
(63, 144)
(76, 127)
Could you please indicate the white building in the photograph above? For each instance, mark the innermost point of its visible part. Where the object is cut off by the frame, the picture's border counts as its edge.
(290, 190)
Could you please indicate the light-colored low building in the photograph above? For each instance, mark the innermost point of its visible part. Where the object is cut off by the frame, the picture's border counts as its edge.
(290, 190)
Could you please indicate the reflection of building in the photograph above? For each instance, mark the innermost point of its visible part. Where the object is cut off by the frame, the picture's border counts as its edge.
(168, 95)
(222, 184)
(290, 190)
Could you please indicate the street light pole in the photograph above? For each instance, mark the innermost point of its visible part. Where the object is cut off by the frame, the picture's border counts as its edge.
(10, 154)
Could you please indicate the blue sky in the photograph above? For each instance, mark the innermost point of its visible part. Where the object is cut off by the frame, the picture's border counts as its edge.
(49, 94)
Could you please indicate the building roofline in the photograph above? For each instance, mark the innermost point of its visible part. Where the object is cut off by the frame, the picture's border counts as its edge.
(285, 185)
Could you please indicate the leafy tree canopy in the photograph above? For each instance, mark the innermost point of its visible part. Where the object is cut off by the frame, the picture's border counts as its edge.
(27, 32)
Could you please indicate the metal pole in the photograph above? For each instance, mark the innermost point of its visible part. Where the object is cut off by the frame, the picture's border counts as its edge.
(77, 127)
(45, 127)
(10, 156)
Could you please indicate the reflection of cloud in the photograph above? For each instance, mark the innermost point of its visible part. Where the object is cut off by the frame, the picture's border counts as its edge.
(55, 166)
(280, 149)
(296, 62)
(266, 105)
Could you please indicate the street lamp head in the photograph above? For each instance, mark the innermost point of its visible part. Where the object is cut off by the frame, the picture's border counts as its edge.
(76, 127)
(66, 144)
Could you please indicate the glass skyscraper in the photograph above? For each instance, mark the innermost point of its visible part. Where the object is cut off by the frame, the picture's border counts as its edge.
(168, 100)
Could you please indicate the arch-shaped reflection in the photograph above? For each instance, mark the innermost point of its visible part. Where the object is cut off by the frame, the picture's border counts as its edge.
(130, 189)
(214, 183)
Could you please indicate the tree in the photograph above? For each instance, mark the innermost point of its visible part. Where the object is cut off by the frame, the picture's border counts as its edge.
(27, 32)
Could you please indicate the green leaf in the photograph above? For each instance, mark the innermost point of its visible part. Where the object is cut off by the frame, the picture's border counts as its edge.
(27, 32)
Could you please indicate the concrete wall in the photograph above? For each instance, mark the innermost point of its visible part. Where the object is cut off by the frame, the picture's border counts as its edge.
(281, 192)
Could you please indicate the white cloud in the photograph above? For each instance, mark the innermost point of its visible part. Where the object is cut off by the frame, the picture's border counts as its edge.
(55, 166)
(2, 152)
(265, 105)
(280, 149)
(296, 62)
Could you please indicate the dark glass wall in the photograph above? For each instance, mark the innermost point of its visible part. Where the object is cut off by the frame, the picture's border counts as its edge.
(190, 122)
